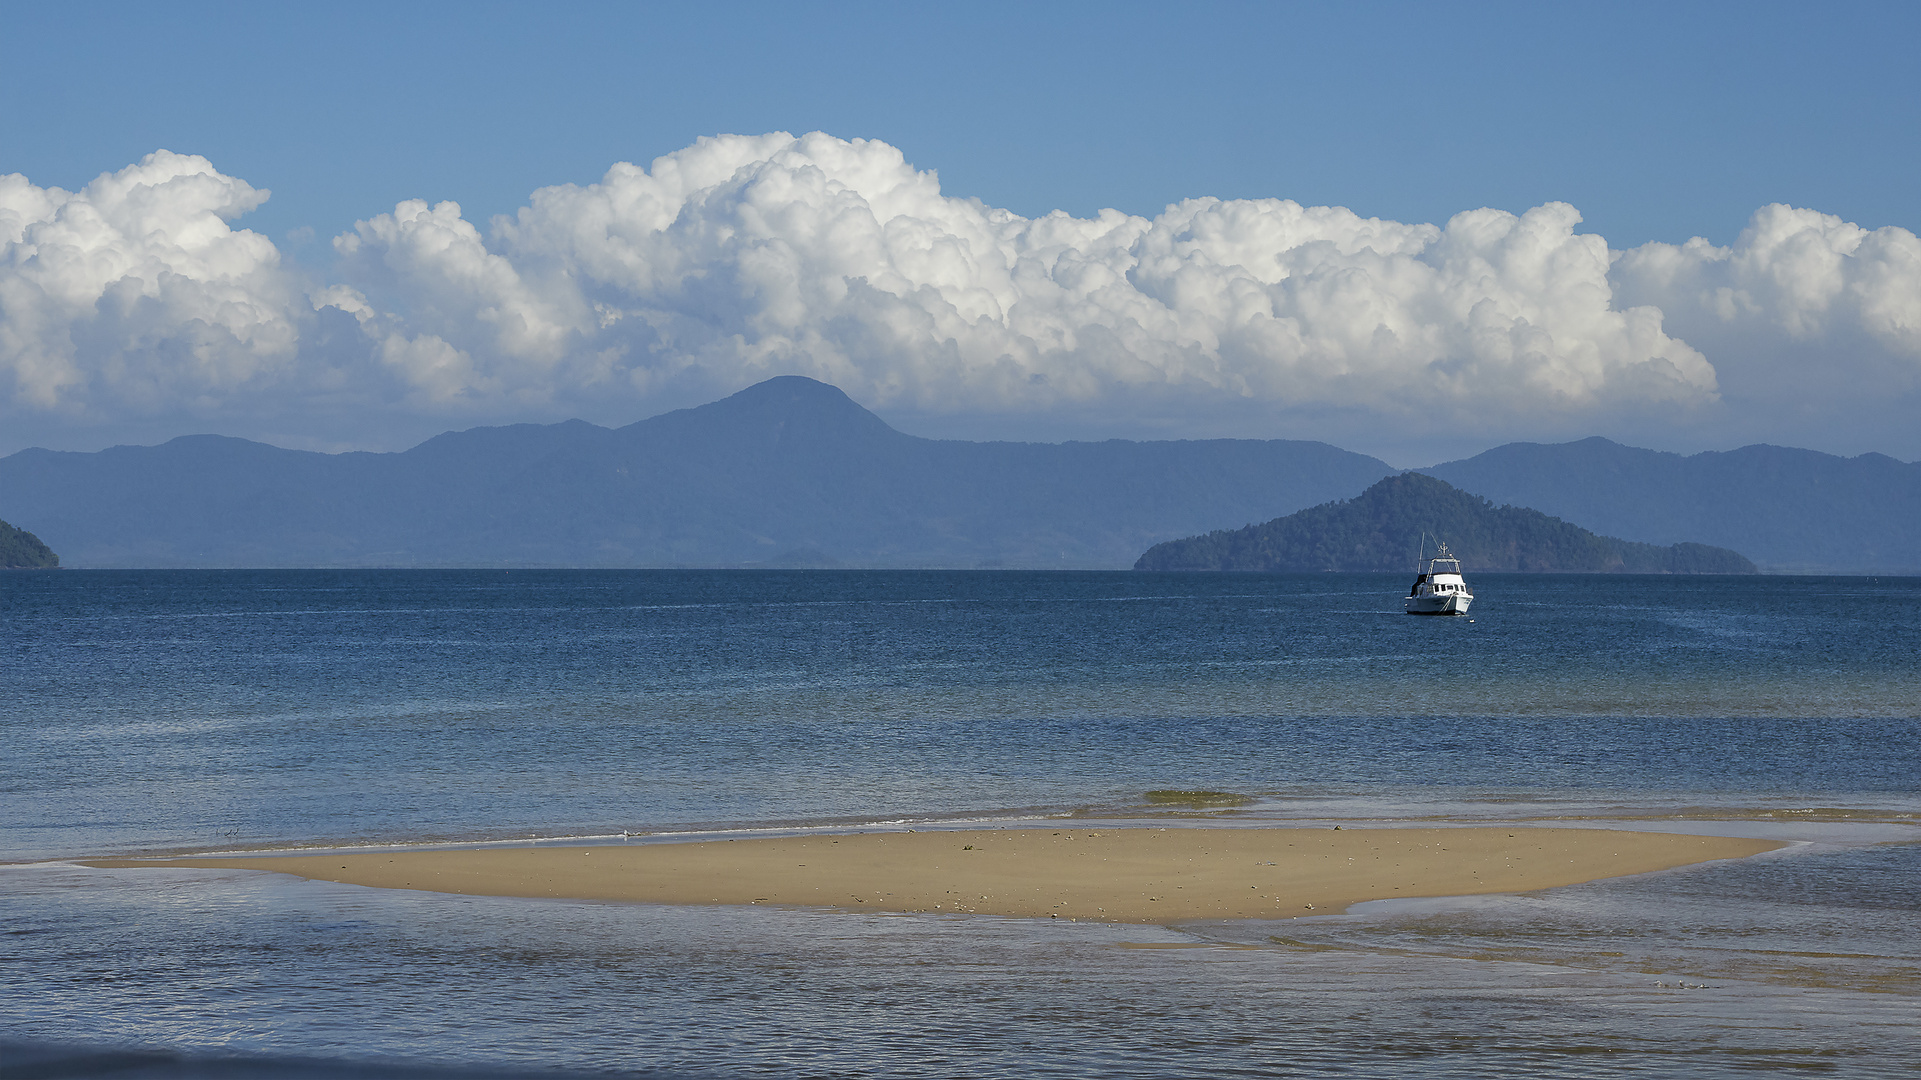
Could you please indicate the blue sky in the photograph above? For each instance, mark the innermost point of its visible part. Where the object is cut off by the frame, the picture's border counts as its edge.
(1659, 122)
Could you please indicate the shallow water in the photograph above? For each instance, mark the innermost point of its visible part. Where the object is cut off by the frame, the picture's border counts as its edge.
(149, 712)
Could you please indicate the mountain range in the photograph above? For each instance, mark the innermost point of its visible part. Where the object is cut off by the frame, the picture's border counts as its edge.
(1375, 531)
(791, 472)
(1796, 511)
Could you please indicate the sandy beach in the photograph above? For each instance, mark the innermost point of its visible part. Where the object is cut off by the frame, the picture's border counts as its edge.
(1140, 875)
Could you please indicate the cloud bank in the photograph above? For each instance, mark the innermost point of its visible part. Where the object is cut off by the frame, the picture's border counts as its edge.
(741, 257)
(134, 292)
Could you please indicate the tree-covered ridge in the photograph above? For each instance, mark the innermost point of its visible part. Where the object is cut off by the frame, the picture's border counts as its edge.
(1380, 530)
(21, 550)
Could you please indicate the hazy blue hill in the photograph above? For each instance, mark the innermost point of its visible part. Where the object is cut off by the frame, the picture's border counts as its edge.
(197, 500)
(790, 470)
(21, 550)
(1381, 529)
(1787, 509)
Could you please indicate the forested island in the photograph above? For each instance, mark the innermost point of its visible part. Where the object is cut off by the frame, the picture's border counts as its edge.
(21, 550)
(1380, 530)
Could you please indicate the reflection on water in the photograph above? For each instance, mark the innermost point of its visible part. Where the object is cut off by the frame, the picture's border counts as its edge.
(1839, 917)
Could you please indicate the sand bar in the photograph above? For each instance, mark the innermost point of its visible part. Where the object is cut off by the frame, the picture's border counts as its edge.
(1140, 875)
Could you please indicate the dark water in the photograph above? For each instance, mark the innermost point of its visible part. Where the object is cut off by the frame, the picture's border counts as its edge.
(147, 712)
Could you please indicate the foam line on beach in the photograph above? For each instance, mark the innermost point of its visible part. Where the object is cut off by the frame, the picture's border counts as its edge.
(1140, 875)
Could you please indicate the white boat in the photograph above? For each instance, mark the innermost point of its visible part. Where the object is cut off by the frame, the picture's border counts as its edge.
(1439, 588)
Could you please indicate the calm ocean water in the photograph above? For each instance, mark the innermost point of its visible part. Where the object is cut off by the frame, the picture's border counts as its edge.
(183, 711)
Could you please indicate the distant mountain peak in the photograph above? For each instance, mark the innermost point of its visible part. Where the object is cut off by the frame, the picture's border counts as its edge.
(781, 409)
(789, 387)
(793, 394)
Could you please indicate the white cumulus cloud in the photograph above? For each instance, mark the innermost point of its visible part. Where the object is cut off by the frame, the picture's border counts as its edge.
(134, 292)
(1803, 305)
(742, 257)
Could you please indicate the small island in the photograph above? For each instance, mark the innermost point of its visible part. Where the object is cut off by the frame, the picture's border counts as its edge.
(1378, 530)
(21, 550)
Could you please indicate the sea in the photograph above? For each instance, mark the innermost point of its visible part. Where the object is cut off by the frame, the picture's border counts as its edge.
(147, 713)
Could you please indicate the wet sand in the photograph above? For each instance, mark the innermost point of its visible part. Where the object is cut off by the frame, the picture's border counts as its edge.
(1137, 875)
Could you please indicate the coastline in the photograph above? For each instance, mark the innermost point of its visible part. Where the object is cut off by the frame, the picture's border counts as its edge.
(1153, 875)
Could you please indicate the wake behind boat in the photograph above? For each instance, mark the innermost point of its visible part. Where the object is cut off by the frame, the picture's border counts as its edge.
(1439, 588)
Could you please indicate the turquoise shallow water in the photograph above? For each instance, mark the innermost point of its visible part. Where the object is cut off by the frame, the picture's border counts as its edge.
(150, 712)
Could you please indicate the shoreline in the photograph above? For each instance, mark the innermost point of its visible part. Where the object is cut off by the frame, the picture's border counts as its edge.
(1138, 874)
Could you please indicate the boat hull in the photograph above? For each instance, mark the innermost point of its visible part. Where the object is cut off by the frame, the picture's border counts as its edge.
(1449, 604)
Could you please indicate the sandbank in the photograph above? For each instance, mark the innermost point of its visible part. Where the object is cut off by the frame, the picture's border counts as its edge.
(1135, 875)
